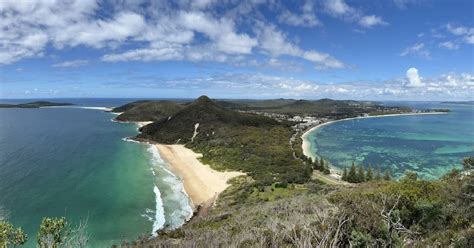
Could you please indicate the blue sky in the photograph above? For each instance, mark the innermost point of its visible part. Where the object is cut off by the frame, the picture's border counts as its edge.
(375, 50)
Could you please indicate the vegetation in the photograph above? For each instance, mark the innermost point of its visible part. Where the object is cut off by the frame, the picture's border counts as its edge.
(147, 110)
(233, 140)
(377, 213)
(53, 233)
(360, 174)
(329, 108)
(11, 236)
(37, 104)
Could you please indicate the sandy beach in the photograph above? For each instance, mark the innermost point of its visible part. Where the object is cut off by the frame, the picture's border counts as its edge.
(201, 183)
(306, 145)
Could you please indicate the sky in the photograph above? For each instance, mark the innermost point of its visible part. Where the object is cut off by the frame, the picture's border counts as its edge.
(341, 49)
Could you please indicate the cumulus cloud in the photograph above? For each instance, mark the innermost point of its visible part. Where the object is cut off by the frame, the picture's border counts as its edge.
(151, 30)
(71, 63)
(442, 87)
(413, 78)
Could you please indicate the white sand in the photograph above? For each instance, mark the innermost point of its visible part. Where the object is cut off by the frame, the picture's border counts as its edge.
(201, 183)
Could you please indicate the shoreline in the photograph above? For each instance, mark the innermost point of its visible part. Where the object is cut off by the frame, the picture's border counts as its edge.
(335, 172)
(201, 183)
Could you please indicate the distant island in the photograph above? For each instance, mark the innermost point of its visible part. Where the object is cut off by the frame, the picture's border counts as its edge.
(37, 104)
(459, 102)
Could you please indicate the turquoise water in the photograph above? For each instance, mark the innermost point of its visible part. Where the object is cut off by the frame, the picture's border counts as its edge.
(431, 145)
(73, 162)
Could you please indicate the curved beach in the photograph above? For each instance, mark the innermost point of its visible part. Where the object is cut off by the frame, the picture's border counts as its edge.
(201, 183)
(306, 144)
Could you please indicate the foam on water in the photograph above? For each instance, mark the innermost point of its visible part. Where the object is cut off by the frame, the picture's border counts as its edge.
(93, 108)
(128, 139)
(176, 208)
(159, 213)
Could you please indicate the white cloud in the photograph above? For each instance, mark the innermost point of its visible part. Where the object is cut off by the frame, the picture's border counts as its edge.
(458, 30)
(337, 7)
(413, 78)
(158, 30)
(371, 20)
(466, 33)
(276, 43)
(71, 63)
(443, 87)
(469, 39)
(418, 49)
(449, 45)
(306, 19)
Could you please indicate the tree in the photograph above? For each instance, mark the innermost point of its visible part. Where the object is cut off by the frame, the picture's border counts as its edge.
(387, 176)
(378, 173)
(316, 164)
(468, 163)
(369, 175)
(11, 236)
(361, 174)
(321, 164)
(344, 174)
(326, 169)
(352, 176)
(52, 232)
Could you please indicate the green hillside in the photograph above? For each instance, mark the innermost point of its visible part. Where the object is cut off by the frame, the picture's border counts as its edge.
(232, 140)
(147, 110)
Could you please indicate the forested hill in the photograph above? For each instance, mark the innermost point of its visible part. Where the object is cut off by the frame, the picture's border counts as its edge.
(232, 140)
(147, 110)
(153, 110)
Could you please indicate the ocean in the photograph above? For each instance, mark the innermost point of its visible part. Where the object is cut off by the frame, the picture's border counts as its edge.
(75, 162)
(430, 145)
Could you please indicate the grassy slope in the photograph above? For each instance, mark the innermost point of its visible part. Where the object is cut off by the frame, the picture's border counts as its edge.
(435, 213)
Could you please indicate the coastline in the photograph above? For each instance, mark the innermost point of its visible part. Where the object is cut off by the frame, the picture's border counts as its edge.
(201, 183)
(306, 144)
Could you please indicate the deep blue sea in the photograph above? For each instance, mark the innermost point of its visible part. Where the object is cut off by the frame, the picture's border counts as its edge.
(74, 162)
(430, 145)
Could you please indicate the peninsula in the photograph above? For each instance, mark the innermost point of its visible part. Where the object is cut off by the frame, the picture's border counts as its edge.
(246, 169)
(37, 104)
